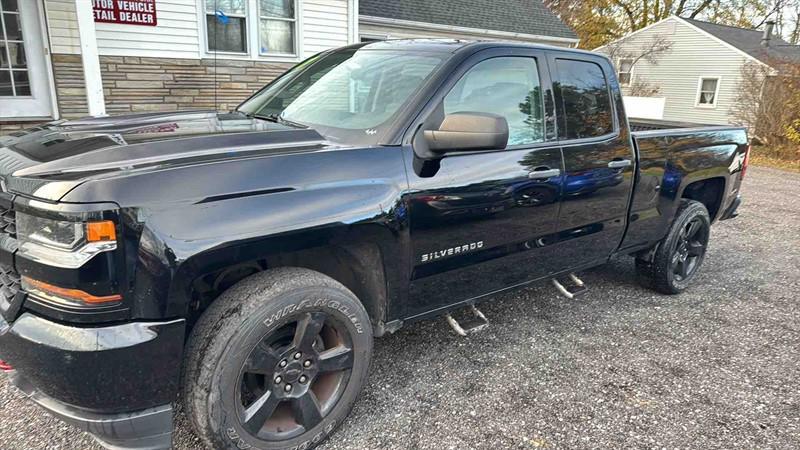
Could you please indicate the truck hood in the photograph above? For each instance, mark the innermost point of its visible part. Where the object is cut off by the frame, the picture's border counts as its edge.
(48, 161)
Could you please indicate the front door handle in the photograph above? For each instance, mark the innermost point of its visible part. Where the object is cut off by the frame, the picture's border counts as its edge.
(543, 173)
(619, 163)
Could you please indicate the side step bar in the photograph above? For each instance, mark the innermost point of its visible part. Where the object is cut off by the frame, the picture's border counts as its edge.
(478, 323)
(573, 289)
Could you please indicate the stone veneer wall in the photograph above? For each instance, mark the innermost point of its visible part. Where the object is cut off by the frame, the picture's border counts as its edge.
(134, 84)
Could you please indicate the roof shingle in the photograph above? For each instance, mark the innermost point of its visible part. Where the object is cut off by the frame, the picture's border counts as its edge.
(516, 16)
(749, 41)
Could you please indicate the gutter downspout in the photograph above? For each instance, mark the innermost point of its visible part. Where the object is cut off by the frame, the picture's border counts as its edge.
(95, 100)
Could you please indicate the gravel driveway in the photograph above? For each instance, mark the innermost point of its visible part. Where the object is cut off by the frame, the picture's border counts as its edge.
(620, 367)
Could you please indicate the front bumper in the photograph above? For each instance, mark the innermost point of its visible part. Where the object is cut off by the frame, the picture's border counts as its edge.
(150, 429)
(116, 382)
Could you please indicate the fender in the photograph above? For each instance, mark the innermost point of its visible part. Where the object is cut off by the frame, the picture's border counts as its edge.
(224, 213)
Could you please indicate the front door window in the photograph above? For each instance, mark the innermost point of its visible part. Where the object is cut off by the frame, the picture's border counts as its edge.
(506, 86)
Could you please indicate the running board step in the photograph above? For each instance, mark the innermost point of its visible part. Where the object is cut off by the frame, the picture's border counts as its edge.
(574, 288)
(471, 325)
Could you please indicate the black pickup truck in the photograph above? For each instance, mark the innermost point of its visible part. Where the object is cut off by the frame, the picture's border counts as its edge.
(245, 260)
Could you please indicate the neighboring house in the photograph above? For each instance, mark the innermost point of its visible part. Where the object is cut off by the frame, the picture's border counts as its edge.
(70, 58)
(699, 76)
(512, 20)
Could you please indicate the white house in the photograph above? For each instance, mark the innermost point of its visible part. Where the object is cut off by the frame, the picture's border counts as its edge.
(699, 76)
(70, 58)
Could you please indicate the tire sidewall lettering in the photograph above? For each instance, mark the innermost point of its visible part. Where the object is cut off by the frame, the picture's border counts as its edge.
(315, 304)
(319, 437)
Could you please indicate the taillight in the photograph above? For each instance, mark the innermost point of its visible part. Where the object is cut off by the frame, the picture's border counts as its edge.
(746, 161)
(5, 367)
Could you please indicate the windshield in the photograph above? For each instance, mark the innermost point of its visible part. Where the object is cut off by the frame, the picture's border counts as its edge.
(348, 96)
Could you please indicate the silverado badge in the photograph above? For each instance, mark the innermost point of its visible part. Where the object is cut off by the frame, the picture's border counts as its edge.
(447, 252)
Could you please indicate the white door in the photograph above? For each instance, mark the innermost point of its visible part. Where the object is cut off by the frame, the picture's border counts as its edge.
(24, 82)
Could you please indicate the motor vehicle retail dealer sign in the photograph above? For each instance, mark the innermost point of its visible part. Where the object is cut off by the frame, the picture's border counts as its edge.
(129, 12)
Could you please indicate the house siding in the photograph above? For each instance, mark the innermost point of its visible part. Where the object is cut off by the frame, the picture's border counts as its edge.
(176, 36)
(324, 25)
(694, 54)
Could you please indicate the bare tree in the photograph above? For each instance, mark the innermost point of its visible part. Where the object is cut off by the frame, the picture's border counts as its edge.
(633, 51)
(641, 88)
(641, 13)
(794, 36)
(768, 102)
(628, 48)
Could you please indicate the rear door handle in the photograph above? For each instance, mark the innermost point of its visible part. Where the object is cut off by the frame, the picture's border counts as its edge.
(619, 163)
(546, 173)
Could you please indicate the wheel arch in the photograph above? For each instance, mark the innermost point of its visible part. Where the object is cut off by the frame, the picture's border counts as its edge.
(358, 266)
(708, 191)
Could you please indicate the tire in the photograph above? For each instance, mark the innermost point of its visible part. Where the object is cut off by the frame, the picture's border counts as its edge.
(292, 323)
(680, 254)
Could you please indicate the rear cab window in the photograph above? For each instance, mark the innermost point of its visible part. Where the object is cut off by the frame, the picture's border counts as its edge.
(583, 95)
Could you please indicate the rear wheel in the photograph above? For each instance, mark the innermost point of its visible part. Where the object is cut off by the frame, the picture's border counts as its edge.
(681, 253)
(276, 362)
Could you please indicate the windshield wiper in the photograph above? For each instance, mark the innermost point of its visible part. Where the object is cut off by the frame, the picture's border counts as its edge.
(278, 119)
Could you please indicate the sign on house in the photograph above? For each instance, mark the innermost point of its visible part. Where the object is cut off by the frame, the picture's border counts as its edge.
(129, 12)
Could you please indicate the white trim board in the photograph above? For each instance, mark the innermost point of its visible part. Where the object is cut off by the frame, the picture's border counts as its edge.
(352, 22)
(374, 20)
(95, 97)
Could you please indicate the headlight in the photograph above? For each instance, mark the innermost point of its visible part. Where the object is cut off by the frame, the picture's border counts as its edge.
(56, 234)
(62, 243)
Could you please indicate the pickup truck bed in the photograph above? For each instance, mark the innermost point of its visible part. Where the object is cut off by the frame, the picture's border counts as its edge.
(673, 161)
(637, 124)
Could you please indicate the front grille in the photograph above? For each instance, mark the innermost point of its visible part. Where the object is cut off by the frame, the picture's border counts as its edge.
(9, 278)
(9, 284)
(8, 222)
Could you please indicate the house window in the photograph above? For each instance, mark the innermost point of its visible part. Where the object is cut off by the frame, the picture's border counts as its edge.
(226, 25)
(277, 21)
(708, 90)
(625, 70)
(14, 80)
(241, 26)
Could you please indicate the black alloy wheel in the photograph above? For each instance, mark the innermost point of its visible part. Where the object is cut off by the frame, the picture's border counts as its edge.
(689, 249)
(276, 362)
(294, 376)
(671, 266)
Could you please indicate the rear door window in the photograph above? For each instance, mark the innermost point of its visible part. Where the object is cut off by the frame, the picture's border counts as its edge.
(586, 103)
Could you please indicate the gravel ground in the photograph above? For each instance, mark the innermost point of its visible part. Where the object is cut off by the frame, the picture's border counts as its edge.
(620, 367)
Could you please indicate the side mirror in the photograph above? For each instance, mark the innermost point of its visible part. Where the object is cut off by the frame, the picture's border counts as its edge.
(468, 131)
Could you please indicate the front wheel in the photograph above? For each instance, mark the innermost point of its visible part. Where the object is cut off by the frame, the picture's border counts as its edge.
(276, 362)
(680, 254)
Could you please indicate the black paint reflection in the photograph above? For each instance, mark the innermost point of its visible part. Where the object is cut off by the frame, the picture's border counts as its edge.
(483, 198)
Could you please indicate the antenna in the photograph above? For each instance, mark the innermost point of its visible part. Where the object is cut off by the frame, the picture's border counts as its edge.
(217, 12)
